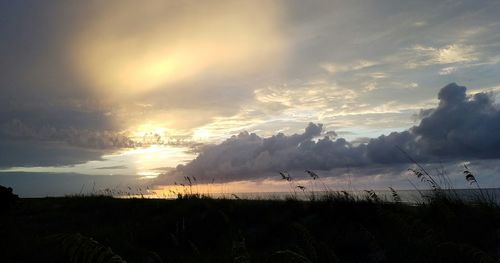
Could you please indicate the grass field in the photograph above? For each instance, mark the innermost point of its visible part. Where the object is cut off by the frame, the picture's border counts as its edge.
(337, 228)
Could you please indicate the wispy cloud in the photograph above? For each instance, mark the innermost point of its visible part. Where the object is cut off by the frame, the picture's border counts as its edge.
(357, 65)
(450, 54)
(115, 167)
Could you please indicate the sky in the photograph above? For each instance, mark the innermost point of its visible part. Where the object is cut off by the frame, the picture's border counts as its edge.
(116, 94)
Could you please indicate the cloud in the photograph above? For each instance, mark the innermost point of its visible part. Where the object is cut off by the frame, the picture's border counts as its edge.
(130, 49)
(306, 97)
(358, 65)
(450, 54)
(64, 80)
(17, 130)
(455, 53)
(247, 153)
(15, 153)
(55, 132)
(461, 127)
(130, 55)
(148, 48)
(112, 167)
(447, 70)
(420, 23)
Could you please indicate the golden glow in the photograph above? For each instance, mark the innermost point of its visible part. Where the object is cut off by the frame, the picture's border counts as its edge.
(201, 134)
(146, 161)
(217, 189)
(147, 129)
(132, 48)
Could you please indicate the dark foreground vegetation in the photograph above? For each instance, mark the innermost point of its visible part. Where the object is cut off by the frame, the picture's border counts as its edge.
(337, 228)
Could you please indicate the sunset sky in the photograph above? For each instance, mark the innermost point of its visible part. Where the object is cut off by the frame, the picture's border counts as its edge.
(98, 94)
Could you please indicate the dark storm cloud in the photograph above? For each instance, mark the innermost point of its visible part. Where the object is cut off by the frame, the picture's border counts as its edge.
(248, 155)
(461, 127)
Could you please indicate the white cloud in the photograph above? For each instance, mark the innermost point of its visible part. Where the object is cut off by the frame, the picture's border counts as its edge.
(307, 96)
(453, 53)
(378, 75)
(447, 70)
(370, 87)
(413, 85)
(420, 23)
(357, 65)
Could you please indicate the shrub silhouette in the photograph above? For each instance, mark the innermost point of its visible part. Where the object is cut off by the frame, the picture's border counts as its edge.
(7, 198)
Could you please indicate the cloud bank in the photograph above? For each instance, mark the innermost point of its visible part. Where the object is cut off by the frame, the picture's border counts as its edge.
(56, 137)
(462, 127)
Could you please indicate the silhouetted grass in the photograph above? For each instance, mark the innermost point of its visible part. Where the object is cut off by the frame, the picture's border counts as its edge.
(335, 227)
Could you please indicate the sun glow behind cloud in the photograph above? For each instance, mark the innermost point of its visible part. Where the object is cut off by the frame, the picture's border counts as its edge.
(148, 128)
(145, 163)
(134, 49)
